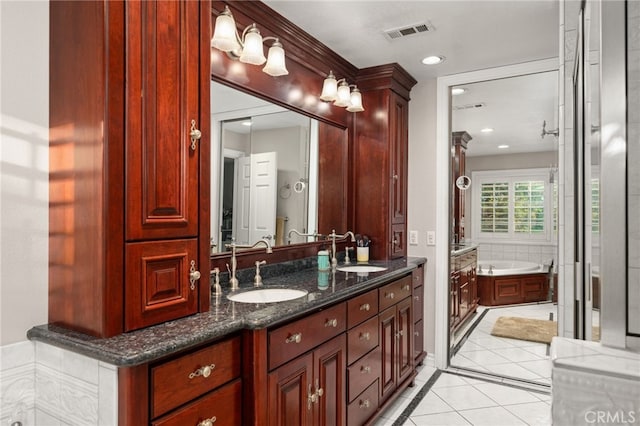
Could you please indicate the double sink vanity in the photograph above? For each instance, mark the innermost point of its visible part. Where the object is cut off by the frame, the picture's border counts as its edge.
(338, 354)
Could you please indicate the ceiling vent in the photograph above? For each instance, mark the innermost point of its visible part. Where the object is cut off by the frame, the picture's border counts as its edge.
(469, 106)
(396, 33)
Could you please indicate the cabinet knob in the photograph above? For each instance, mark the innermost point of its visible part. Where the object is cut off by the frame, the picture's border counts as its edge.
(331, 323)
(294, 338)
(416, 297)
(416, 333)
(195, 135)
(365, 336)
(194, 275)
(365, 307)
(365, 403)
(365, 369)
(204, 371)
(389, 295)
(406, 287)
(208, 422)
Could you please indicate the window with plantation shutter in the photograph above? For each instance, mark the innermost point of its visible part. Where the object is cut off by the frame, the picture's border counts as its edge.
(512, 205)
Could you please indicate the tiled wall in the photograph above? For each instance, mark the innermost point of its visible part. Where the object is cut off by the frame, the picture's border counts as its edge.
(46, 385)
(542, 254)
(633, 160)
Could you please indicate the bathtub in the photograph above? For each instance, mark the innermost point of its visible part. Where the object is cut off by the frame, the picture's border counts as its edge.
(508, 267)
(512, 282)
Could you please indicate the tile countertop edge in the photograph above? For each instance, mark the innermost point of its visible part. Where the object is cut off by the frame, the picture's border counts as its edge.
(127, 350)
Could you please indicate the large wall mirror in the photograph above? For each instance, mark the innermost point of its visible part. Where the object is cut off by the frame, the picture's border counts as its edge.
(268, 178)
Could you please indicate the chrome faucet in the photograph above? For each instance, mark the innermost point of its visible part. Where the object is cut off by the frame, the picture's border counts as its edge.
(334, 237)
(315, 235)
(233, 281)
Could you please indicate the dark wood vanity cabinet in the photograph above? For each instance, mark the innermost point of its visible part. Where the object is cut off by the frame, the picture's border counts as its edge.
(129, 84)
(419, 353)
(459, 142)
(380, 159)
(464, 295)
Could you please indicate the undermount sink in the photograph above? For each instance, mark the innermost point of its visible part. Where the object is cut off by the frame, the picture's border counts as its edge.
(267, 295)
(361, 268)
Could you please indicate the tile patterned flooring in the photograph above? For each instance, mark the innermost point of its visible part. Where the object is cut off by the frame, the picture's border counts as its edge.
(455, 397)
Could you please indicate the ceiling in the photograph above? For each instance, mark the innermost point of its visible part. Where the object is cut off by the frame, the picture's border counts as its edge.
(471, 35)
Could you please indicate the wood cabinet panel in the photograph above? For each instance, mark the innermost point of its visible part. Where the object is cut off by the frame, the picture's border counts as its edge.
(388, 363)
(362, 339)
(288, 393)
(364, 406)
(162, 100)
(399, 132)
(418, 303)
(157, 286)
(224, 405)
(391, 294)
(418, 342)
(405, 339)
(361, 308)
(290, 340)
(187, 377)
(330, 376)
(362, 373)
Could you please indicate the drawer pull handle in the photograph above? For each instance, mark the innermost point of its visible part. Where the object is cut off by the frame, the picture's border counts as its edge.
(365, 336)
(314, 397)
(406, 287)
(331, 323)
(417, 297)
(195, 135)
(194, 275)
(294, 338)
(365, 369)
(365, 403)
(204, 371)
(208, 422)
(416, 333)
(399, 334)
(365, 307)
(389, 295)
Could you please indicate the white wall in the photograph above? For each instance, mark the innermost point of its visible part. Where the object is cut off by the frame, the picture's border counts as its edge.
(422, 191)
(24, 167)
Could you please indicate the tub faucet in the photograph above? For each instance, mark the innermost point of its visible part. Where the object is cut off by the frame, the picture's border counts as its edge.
(233, 281)
(334, 237)
(490, 269)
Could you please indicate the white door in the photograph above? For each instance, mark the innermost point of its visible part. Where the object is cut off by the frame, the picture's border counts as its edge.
(264, 180)
(242, 200)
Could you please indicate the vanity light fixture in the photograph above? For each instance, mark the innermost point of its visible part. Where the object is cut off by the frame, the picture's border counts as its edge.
(341, 93)
(248, 48)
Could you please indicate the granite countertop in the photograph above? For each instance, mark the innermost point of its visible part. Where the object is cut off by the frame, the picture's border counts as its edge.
(225, 317)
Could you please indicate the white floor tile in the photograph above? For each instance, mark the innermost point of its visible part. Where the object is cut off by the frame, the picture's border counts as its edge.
(491, 342)
(432, 404)
(487, 357)
(464, 397)
(515, 355)
(448, 380)
(506, 395)
(452, 419)
(534, 414)
(394, 411)
(492, 416)
(541, 367)
(513, 370)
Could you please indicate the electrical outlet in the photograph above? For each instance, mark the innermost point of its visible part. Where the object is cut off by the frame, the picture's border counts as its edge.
(413, 238)
(431, 238)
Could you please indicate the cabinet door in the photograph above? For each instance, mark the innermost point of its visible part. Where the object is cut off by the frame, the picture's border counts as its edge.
(157, 286)
(404, 339)
(454, 307)
(399, 135)
(329, 382)
(388, 330)
(162, 99)
(288, 393)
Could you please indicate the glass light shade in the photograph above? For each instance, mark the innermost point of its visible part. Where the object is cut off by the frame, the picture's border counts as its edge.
(224, 35)
(356, 101)
(329, 88)
(344, 95)
(275, 61)
(252, 51)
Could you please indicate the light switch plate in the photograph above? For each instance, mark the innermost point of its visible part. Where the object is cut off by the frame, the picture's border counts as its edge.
(413, 238)
(431, 238)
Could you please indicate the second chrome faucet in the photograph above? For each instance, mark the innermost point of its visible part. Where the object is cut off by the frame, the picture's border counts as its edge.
(233, 280)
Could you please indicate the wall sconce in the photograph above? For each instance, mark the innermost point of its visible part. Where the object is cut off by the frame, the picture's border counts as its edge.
(248, 48)
(339, 92)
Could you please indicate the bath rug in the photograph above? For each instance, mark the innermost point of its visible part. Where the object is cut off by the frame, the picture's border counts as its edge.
(532, 330)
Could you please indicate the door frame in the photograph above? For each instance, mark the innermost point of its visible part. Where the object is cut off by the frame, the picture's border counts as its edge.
(443, 152)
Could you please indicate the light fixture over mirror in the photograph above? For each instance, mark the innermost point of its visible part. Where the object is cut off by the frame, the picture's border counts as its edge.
(341, 93)
(248, 48)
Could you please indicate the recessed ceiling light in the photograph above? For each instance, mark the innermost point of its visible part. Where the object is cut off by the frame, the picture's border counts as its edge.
(503, 146)
(486, 130)
(246, 123)
(458, 91)
(433, 60)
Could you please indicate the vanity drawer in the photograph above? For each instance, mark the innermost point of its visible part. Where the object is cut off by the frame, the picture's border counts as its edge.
(362, 308)
(224, 404)
(418, 276)
(178, 381)
(418, 303)
(289, 341)
(363, 407)
(362, 339)
(391, 294)
(362, 373)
